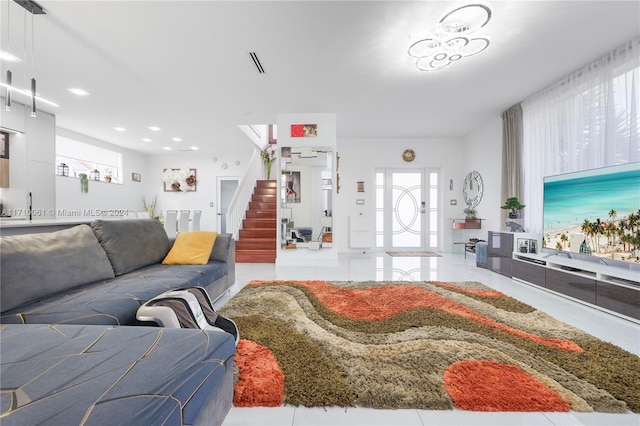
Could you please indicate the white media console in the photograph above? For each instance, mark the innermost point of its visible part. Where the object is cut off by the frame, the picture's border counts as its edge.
(611, 288)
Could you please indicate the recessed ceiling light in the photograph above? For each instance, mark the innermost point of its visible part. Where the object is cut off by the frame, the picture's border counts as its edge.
(176, 139)
(119, 129)
(146, 140)
(154, 128)
(195, 148)
(79, 92)
(10, 57)
(168, 148)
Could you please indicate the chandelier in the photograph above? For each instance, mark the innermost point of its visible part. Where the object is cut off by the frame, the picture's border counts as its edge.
(452, 41)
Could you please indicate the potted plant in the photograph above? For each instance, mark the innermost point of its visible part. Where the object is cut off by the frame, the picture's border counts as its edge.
(470, 212)
(514, 205)
(84, 182)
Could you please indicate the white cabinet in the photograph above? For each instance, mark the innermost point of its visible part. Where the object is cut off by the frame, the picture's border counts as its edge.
(32, 163)
(41, 138)
(41, 187)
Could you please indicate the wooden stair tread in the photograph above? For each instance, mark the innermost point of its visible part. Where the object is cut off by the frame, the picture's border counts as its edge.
(258, 237)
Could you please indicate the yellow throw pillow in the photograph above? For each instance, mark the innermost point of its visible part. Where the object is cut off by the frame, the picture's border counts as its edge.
(191, 248)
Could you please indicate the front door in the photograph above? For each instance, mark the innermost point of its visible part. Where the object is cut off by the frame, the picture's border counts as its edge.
(407, 210)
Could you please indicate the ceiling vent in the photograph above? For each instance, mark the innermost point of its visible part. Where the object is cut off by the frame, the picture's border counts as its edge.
(31, 6)
(256, 61)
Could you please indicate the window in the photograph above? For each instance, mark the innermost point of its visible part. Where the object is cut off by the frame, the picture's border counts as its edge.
(587, 120)
(84, 158)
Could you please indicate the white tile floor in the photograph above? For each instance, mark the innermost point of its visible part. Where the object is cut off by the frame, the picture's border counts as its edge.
(449, 267)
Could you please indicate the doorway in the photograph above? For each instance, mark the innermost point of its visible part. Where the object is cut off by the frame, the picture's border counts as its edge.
(408, 210)
(227, 187)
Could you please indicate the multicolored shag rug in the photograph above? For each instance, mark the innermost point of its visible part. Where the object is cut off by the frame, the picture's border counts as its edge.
(422, 345)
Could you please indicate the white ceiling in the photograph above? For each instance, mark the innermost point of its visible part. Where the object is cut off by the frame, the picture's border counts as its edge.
(185, 66)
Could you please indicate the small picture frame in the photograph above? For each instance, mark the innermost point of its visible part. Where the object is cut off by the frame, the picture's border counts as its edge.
(136, 177)
(360, 186)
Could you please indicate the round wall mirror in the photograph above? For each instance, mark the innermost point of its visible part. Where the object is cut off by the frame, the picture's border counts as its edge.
(473, 189)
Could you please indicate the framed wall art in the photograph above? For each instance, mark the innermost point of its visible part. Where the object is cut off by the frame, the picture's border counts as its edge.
(304, 130)
(179, 180)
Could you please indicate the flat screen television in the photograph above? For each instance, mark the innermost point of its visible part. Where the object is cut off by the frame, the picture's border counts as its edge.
(594, 215)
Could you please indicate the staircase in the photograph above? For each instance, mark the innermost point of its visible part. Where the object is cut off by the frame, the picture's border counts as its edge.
(257, 240)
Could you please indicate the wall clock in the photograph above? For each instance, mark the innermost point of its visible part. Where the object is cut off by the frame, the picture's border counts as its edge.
(473, 189)
(408, 155)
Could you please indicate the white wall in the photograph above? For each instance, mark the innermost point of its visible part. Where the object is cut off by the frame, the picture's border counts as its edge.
(360, 157)
(235, 159)
(484, 154)
(481, 151)
(103, 199)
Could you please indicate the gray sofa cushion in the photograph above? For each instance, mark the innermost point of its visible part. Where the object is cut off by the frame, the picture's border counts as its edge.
(220, 250)
(131, 244)
(97, 375)
(115, 302)
(39, 265)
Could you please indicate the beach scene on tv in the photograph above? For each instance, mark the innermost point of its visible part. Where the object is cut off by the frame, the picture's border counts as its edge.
(594, 212)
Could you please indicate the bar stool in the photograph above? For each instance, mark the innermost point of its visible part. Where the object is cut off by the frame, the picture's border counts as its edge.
(170, 223)
(195, 222)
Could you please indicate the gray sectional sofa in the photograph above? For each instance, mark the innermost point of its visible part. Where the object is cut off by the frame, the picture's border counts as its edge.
(72, 351)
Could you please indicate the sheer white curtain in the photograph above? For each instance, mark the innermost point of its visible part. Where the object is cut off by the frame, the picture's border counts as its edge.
(587, 120)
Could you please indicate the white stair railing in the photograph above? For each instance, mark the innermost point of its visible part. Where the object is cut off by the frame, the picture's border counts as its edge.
(240, 201)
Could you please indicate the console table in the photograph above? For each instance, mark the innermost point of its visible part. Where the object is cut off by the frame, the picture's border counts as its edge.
(464, 224)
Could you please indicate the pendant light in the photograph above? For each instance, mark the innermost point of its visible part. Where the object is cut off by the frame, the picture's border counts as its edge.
(9, 79)
(33, 61)
(7, 99)
(30, 91)
(35, 9)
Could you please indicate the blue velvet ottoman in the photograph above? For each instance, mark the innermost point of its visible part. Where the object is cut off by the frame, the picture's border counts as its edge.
(482, 256)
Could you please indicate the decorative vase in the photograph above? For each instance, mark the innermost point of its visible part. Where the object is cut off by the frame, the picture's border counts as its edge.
(268, 164)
